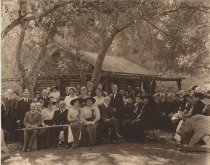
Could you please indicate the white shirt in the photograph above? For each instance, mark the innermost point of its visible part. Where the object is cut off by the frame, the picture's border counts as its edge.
(68, 99)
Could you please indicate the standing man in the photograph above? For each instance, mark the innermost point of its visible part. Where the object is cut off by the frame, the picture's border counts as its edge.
(32, 119)
(13, 134)
(116, 103)
(91, 92)
(23, 106)
(7, 101)
(44, 98)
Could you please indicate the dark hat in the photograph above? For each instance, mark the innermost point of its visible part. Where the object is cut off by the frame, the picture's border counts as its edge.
(54, 87)
(90, 98)
(198, 95)
(77, 99)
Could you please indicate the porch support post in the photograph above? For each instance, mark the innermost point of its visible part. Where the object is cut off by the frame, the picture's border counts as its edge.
(179, 84)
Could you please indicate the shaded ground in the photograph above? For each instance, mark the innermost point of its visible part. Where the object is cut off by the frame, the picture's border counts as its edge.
(160, 152)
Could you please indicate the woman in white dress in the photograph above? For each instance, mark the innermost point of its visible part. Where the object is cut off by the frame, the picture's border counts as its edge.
(54, 94)
(47, 134)
(99, 98)
(70, 97)
(90, 115)
(74, 120)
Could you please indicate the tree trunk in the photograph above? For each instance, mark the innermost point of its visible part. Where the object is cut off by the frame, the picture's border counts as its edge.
(102, 53)
(29, 83)
(100, 59)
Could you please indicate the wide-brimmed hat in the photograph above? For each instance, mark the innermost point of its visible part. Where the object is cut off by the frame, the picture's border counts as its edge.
(77, 99)
(198, 95)
(90, 98)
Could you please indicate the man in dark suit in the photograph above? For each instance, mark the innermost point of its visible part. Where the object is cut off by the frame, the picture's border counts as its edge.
(116, 103)
(32, 119)
(90, 89)
(145, 120)
(44, 98)
(60, 118)
(7, 101)
(198, 105)
(108, 121)
(23, 106)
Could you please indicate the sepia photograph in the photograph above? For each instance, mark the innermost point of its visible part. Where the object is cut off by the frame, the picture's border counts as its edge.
(105, 82)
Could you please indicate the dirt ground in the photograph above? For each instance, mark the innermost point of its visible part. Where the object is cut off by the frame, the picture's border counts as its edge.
(159, 152)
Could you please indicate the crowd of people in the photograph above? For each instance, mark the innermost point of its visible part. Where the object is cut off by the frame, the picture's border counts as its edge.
(85, 117)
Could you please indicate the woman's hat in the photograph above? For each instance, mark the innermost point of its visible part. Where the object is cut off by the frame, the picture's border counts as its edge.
(72, 88)
(54, 87)
(198, 95)
(90, 98)
(77, 99)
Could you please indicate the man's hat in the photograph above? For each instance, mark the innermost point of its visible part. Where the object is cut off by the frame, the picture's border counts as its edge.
(90, 98)
(77, 99)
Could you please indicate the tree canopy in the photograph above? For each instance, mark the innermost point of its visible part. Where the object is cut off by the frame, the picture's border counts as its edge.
(166, 35)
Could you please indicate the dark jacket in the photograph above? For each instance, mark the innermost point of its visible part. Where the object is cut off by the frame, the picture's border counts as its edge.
(117, 101)
(105, 112)
(21, 108)
(8, 106)
(148, 112)
(128, 111)
(46, 100)
(60, 118)
(3, 118)
(197, 108)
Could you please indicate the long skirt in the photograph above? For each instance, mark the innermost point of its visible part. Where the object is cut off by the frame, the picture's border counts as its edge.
(45, 138)
(89, 135)
(74, 132)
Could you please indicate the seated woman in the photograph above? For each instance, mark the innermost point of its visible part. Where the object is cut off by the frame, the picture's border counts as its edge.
(90, 115)
(45, 136)
(74, 119)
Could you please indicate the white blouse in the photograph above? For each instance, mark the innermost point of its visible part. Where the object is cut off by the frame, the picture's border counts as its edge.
(99, 100)
(67, 100)
(47, 114)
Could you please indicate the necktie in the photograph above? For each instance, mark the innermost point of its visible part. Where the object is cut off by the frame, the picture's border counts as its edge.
(92, 114)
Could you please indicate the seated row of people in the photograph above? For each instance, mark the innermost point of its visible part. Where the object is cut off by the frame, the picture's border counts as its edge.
(86, 122)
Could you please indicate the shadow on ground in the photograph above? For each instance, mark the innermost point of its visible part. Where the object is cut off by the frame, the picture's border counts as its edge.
(159, 152)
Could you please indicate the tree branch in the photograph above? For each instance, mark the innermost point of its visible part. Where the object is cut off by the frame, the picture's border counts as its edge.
(18, 52)
(41, 58)
(165, 33)
(20, 20)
